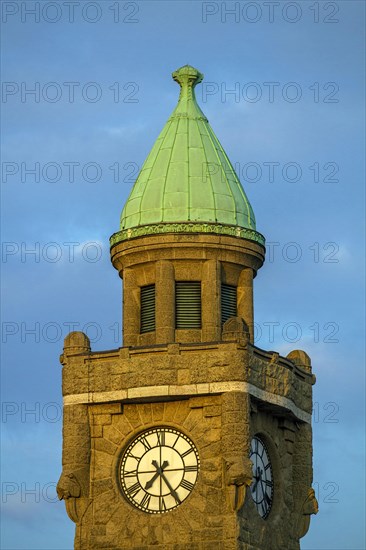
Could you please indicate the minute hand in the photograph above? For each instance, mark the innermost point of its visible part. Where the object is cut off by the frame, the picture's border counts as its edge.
(173, 493)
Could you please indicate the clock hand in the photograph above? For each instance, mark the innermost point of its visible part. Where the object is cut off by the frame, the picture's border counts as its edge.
(173, 493)
(150, 483)
(257, 478)
(158, 472)
(263, 490)
(255, 485)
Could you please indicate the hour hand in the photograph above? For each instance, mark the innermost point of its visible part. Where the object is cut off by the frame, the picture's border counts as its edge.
(150, 483)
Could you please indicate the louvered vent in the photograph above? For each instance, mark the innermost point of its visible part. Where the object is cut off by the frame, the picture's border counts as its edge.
(228, 302)
(147, 321)
(188, 304)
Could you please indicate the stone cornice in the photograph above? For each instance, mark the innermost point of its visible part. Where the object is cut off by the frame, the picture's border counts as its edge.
(188, 390)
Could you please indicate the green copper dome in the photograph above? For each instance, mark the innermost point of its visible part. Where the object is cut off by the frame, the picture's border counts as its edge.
(187, 182)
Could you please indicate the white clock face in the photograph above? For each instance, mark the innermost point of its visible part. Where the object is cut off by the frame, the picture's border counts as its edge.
(159, 469)
(261, 488)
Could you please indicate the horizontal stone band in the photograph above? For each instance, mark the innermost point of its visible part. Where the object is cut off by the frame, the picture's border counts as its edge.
(187, 390)
(187, 227)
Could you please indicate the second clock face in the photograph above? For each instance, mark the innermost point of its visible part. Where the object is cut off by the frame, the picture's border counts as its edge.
(159, 469)
(261, 488)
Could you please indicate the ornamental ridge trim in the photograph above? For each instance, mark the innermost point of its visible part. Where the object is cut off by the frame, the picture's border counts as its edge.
(187, 227)
(187, 115)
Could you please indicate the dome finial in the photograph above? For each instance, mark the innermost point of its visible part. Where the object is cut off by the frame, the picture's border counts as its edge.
(187, 76)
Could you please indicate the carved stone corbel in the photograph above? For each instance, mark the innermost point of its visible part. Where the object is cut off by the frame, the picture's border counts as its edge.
(69, 489)
(309, 507)
(238, 476)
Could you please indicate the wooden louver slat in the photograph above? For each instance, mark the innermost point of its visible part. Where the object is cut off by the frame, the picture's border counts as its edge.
(147, 320)
(228, 302)
(187, 304)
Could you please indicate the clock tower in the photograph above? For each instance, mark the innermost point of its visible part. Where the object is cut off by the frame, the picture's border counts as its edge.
(188, 437)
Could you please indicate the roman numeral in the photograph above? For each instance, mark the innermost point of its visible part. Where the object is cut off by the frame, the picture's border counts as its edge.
(161, 438)
(187, 485)
(187, 453)
(134, 489)
(145, 443)
(162, 505)
(268, 482)
(267, 466)
(133, 473)
(130, 455)
(145, 501)
(191, 468)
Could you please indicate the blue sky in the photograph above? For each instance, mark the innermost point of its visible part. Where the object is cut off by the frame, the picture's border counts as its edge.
(294, 129)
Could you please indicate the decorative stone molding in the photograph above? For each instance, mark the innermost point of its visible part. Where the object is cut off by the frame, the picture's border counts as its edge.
(235, 329)
(75, 343)
(187, 227)
(301, 359)
(179, 391)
